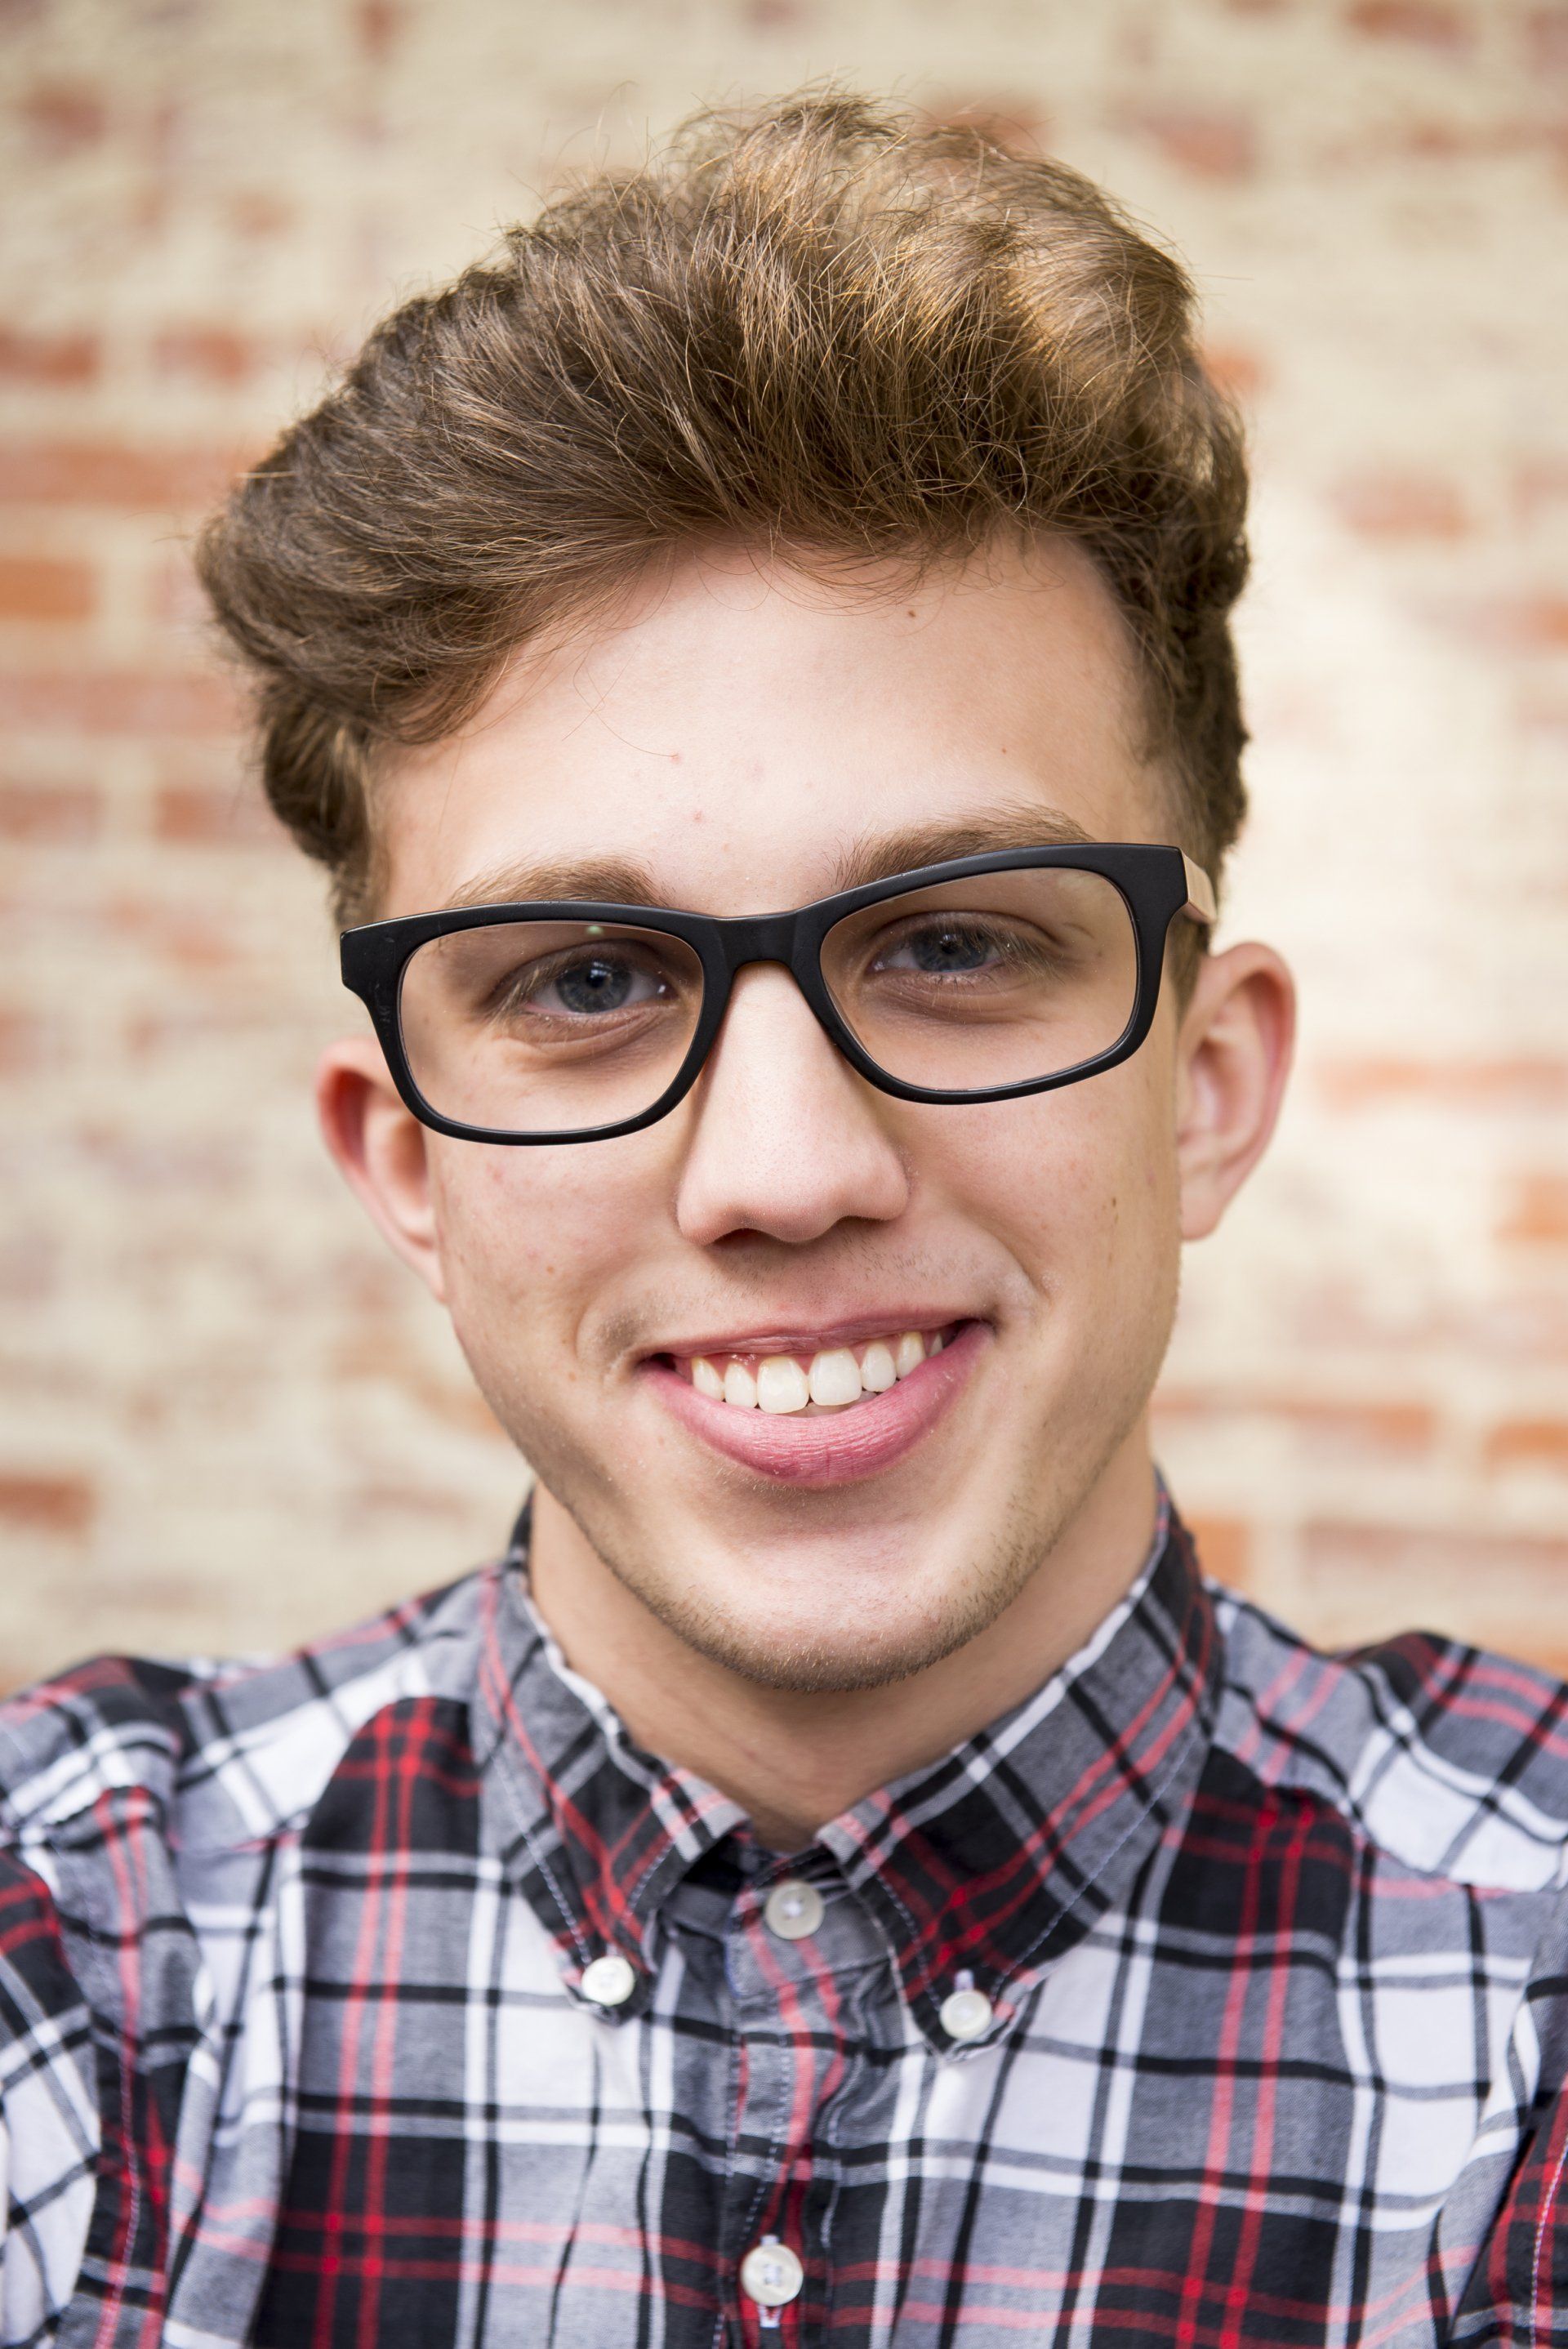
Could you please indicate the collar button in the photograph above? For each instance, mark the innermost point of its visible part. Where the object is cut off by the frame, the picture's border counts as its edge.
(966, 2011)
(793, 1908)
(609, 1981)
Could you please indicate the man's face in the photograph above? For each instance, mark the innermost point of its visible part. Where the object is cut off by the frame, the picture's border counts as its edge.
(735, 735)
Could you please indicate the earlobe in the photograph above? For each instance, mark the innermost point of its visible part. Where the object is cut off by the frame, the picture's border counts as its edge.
(382, 1150)
(1233, 1056)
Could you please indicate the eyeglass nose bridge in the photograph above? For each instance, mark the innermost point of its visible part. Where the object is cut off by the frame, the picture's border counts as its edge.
(785, 940)
(760, 937)
(782, 939)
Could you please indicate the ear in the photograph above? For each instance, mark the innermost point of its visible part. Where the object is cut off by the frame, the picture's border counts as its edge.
(1234, 1054)
(382, 1149)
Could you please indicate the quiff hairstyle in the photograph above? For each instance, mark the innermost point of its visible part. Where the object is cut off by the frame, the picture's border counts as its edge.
(822, 327)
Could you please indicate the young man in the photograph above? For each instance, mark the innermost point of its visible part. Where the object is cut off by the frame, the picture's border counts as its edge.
(755, 660)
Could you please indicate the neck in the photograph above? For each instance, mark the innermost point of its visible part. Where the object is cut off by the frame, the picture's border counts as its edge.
(792, 1760)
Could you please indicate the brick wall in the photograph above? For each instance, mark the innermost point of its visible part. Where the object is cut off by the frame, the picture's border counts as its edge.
(228, 1420)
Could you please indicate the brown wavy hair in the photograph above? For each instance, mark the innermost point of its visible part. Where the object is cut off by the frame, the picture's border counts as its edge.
(823, 326)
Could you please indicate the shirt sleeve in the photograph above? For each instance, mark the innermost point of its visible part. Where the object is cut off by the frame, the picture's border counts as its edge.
(49, 2131)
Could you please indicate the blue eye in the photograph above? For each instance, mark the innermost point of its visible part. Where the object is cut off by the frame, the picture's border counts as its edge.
(585, 984)
(949, 946)
(955, 946)
(595, 983)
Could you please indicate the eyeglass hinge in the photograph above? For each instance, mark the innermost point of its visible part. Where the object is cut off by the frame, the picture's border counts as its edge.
(1201, 904)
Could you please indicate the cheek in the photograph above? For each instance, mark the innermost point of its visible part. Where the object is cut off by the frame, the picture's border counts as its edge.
(528, 1238)
(1079, 1185)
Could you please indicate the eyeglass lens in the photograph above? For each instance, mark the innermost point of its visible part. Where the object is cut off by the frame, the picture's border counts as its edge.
(551, 1026)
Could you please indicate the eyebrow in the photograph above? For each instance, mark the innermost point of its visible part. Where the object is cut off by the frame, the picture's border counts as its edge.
(619, 881)
(608, 880)
(1016, 827)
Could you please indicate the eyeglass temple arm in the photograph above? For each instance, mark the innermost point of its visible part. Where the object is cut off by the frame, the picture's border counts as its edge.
(1200, 906)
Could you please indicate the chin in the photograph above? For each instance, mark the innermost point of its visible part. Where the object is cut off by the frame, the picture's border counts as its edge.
(818, 1664)
(822, 1639)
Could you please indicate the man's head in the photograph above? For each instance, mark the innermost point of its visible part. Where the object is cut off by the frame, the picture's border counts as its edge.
(830, 497)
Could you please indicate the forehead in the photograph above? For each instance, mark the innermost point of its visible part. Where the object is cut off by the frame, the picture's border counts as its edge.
(740, 735)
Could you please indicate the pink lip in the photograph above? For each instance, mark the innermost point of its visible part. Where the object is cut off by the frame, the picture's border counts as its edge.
(839, 1448)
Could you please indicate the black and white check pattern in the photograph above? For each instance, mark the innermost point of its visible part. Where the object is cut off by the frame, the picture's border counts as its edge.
(295, 2046)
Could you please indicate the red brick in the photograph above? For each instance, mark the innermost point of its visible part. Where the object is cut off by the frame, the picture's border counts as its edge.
(1537, 622)
(1434, 24)
(381, 1346)
(127, 701)
(24, 1041)
(1539, 1212)
(29, 1267)
(1386, 1427)
(259, 213)
(1540, 486)
(1207, 144)
(219, 815)
(1401, 1428)
(1546, 41)
(55, 359)
(60, 1505)
(1224, 1549)
(196, 1023)
(109, 473)
(186, 936)
(1368, 1581)
(216, 355)
(1506, 624)
(196, 1168)
(1005, 116)
(1236, 368)
(1530, 1442)
(1514, 1322)
(64, 116)
(378, 24)
(1404, 1548)
(1390, 505)
(53, 813)
(401, 1502)
(43, 587)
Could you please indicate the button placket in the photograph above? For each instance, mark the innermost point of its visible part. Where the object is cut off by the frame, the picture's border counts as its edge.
(789, 1939)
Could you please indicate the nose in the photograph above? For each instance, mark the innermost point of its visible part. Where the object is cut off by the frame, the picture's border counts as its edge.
(786, 1139)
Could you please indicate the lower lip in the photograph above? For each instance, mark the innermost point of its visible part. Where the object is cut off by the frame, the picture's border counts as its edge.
(823, 1449)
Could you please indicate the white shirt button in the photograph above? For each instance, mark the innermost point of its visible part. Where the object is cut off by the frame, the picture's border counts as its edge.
(771, 2274)
(609, 1981)
(966, 2014)
(793, 1908)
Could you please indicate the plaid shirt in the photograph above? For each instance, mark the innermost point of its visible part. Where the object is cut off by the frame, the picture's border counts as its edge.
(1265, 2029)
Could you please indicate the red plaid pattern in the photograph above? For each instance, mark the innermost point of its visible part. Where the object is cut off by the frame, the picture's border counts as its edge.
(295, 2046)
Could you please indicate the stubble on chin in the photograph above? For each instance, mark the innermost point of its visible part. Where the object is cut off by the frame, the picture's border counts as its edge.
(775, 1654)
(815, 1646)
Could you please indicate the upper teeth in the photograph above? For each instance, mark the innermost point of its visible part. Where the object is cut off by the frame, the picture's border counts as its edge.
(838, 1375)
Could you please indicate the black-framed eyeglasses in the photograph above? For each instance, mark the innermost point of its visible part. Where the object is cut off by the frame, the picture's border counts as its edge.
(975, 980)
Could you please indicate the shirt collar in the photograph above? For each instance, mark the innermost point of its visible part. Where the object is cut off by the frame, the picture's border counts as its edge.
(989, 1863)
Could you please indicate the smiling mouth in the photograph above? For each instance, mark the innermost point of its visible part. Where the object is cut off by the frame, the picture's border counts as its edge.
(828, 1381)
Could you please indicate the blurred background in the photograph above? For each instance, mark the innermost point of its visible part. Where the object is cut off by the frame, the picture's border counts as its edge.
(227, 1419)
